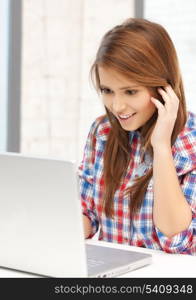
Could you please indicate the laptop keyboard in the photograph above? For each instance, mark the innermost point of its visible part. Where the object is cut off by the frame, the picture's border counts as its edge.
(92, 263)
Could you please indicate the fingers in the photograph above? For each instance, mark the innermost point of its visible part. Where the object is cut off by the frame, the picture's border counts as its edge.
(170, 98)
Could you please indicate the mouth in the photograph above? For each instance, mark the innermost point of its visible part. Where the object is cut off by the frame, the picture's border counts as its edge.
(125, 118)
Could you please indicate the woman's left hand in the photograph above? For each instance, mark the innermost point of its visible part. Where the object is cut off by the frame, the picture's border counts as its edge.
(167, 115)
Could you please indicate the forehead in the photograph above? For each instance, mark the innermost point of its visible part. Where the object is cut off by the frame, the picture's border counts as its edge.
(110, 77)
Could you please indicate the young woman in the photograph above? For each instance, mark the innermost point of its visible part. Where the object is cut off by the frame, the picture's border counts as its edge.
(138, 173)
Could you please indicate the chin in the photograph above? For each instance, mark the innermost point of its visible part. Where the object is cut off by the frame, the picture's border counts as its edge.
(130, 128)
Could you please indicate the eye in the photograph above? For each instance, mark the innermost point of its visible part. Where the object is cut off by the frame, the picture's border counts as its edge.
(105, 90)
(131, 92)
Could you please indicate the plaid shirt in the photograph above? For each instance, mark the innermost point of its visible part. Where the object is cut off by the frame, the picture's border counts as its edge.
(141, 231)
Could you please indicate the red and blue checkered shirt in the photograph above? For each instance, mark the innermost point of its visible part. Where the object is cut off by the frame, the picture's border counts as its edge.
(140, 231)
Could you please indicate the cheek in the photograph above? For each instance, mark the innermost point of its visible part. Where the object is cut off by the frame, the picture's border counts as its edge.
(105, 101)
(145, 103)
(151, 108)
(151, 105)
(147, 107)
(148, 102)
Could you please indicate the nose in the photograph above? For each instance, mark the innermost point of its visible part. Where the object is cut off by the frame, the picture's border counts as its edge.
(118, 105)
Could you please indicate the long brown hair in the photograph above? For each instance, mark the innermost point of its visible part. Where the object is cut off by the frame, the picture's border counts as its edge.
(143, 51)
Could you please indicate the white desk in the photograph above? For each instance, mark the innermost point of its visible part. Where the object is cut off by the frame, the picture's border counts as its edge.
(163, 265)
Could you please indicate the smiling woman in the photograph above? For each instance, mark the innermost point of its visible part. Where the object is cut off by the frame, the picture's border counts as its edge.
(125, 98)
(134, 183)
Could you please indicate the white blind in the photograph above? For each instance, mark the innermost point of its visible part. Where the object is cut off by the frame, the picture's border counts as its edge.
(4, 50)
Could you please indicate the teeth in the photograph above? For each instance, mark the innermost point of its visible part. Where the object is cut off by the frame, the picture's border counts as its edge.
(125, 116)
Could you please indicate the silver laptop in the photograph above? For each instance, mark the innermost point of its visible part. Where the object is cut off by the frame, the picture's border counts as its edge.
(41, 229)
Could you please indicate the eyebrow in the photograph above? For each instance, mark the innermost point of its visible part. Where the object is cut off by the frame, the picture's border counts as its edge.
(122, 88)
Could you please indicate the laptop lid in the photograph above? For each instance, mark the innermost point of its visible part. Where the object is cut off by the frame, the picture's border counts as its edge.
(38, 201)
(104, 261)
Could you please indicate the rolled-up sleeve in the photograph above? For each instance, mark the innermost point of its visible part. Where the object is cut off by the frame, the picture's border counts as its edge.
(86, 180)
(185, 241)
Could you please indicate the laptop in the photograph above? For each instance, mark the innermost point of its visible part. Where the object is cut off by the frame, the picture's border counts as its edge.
(41, 228)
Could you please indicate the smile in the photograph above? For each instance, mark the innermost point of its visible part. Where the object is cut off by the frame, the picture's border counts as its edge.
(125, 118)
